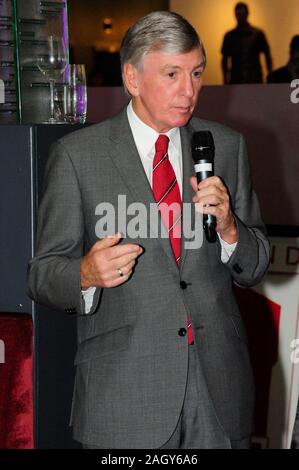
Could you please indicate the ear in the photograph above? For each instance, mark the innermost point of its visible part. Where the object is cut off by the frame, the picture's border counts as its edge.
(131, 79)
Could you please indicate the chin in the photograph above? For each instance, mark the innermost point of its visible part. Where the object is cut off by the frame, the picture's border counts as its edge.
(181, 121)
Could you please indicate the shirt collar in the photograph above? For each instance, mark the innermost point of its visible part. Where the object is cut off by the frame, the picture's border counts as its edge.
(145, 136)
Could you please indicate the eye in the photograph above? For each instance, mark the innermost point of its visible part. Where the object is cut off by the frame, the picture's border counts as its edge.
(171, 74)
(197, 73)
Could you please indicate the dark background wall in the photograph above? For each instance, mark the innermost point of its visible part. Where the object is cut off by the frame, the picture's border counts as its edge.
(96, 28)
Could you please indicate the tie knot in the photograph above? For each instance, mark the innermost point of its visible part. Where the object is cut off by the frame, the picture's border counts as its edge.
(162, 143)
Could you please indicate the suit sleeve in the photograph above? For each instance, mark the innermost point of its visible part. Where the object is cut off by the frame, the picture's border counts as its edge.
(54, 272)
(250, 259)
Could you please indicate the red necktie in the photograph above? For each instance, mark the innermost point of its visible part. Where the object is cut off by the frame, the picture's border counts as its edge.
(167, 192)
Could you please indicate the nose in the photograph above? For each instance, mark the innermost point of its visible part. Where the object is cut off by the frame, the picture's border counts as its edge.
(188, 86)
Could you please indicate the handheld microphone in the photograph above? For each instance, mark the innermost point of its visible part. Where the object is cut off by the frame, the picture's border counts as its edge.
(203, 151)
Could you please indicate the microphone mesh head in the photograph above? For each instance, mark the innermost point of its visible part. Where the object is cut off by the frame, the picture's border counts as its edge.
(202, 146)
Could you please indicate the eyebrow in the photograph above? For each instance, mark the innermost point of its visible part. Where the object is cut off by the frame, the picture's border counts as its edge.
(171, 66)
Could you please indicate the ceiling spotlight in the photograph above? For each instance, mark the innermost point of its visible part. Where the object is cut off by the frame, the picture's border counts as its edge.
(107, 25)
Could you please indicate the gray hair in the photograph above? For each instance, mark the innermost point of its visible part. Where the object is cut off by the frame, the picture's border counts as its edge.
(158, 31)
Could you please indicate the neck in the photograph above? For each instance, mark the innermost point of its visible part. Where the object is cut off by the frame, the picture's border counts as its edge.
(243, 25)
(145, 120)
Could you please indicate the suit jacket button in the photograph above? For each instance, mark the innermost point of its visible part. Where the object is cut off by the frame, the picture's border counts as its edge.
(237, 268)
(182, 332)
(183, 285)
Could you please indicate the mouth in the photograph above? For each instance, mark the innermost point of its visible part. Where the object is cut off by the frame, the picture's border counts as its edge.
(183, 109)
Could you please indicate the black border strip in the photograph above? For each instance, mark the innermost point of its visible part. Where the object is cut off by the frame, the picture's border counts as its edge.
(283, 230)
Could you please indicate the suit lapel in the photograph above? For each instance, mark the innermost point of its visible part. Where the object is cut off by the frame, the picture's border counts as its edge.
(188, 171)
(125, 156)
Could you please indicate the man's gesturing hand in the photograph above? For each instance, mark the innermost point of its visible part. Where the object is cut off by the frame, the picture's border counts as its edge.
(211, 197)
(108, 264)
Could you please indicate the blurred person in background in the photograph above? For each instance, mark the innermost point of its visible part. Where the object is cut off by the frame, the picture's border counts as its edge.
(241, 51)
(291, 70)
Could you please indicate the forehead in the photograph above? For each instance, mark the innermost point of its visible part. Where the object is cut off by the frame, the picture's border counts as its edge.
(160, 59)
(241, 9)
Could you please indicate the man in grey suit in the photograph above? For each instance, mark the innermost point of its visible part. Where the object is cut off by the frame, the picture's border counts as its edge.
(162, 358)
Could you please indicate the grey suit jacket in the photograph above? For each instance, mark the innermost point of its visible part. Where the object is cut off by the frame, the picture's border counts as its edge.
(131, 361)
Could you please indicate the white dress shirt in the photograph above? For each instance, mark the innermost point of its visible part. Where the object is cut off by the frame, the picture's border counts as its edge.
(145, 138)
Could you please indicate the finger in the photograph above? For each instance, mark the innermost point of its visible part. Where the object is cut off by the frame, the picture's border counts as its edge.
(123, 260)
(211, 181)
(122, 272)
(208, 209)
(213, 185)
(107, 242)
(210, 200)
(125, 270)
(213, 210)
(123, 250)
(129, 267)
(194, 184)
(118, 280)
(209, 197)
(212, 191)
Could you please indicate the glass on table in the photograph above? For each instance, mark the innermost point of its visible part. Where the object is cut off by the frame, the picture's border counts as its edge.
(52, 63)
(75, 94)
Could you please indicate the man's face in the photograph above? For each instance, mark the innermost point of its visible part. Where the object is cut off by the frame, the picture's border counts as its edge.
(241, 15)
(165, 91)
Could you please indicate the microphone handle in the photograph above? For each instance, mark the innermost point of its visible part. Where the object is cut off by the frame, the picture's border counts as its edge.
(209, 221)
